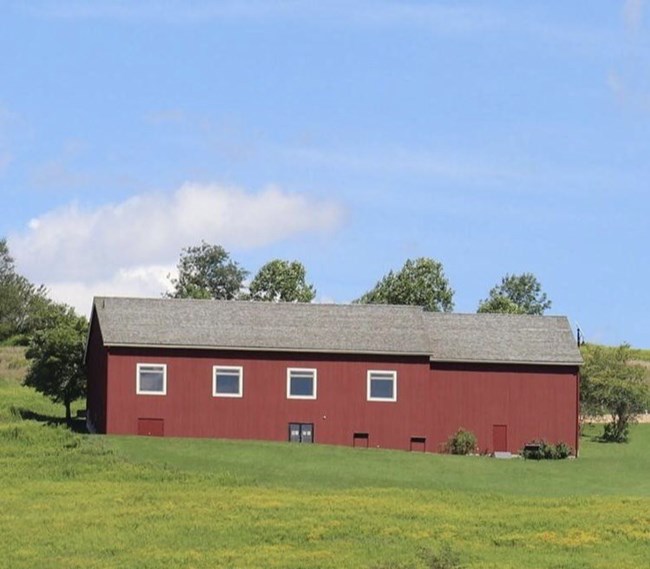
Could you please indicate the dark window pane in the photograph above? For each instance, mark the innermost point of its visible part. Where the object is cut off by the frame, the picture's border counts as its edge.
(302, 386)
(381, 388)
(228, 383)
(306, 433)
(294, 432)
(151, 380)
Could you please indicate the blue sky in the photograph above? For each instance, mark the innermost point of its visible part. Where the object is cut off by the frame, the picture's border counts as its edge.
(495, 137)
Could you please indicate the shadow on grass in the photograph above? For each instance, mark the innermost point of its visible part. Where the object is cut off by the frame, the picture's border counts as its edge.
(76, 425)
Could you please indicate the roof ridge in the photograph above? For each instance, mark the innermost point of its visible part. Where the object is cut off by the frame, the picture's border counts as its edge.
(330, 327)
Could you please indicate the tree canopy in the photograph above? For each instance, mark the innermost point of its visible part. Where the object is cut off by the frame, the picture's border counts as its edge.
(516, 294)
(611, 385)
(6, 260)
(500, 304)
(207, 271)
(282, 281)
(56, 353)
(420, 282)
(20, 300)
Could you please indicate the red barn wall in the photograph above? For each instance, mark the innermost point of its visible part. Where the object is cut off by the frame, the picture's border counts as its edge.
(264, 412)
(433, 400)
(533, 402)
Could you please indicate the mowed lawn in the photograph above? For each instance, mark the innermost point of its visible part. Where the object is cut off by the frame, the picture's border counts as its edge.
(72, 500)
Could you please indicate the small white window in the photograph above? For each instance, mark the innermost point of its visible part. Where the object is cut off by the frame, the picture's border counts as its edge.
(151, 379)
(301, 383)
(382, 385)
(227, 381)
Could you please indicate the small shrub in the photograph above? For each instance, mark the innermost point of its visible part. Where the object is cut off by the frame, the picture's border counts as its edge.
(563, 450)
(541, 450)
(548, 451)
(461, 442)
(615, 433)
(14, 341)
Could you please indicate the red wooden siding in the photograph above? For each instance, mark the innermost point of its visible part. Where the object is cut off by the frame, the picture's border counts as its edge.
(264, 412)
(433, 400)
(534, 402)
(151, 427)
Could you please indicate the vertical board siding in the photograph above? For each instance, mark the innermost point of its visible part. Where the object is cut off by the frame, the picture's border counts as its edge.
(534, 402)
(433, 400)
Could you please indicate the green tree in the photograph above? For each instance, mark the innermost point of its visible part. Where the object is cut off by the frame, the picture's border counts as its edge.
(56, 354)
(6, 260)
(610, 384)
(500, 304)
(282, 281)
(420, 282)
(206, 271)
(516, 294)
(19, 299)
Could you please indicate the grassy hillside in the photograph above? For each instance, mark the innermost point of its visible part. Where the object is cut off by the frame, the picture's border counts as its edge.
(12, 364)
(71, 500)
(640, 355)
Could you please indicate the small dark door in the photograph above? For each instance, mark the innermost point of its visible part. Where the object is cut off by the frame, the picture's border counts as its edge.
(151, 427)
(418, 444)
(500, 438)
(301, 432)
(360, 440)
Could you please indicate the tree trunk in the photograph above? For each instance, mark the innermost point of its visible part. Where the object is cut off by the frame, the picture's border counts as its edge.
(68, 412)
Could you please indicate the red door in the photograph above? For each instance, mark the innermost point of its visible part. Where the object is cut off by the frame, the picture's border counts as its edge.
(500, 438)
(151, 427)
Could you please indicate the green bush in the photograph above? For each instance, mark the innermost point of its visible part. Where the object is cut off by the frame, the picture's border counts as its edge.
(461, 442)
(563, 450)
(616, 433)
(547, 451)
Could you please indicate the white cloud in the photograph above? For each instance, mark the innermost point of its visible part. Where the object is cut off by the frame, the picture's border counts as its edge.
(137, 281)
(120, 248)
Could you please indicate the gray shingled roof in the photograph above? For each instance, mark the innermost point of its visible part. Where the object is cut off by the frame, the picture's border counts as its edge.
(503, 338)
(262, 325)
(362, 329)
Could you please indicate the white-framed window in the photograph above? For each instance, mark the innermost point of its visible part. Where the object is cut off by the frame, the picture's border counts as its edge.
(301, 383)
(227, 381)
(382, 385)
(151, 379)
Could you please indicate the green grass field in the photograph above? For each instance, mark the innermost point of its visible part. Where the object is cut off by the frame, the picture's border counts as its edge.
(70, 500)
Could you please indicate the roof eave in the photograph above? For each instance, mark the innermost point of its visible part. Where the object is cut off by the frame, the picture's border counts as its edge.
(264, 349)
(510, 362)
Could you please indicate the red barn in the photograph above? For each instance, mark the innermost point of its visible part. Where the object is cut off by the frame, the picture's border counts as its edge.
(358, 375)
